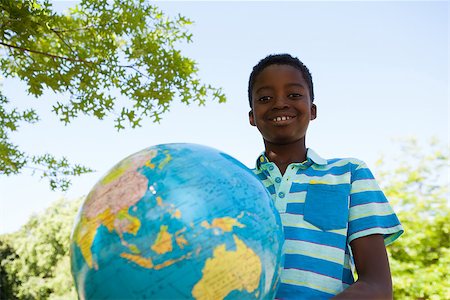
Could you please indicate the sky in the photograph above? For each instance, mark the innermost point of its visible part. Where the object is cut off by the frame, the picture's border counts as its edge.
(380, 72)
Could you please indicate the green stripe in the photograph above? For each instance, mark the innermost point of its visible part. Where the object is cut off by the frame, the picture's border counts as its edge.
(312, 280)
(297, 221)
(370, 209)
(364, 185)
(327, 253)
(329, 179)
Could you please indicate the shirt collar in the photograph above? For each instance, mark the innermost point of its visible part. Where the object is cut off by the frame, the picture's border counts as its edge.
(311, 158)
(316, 158)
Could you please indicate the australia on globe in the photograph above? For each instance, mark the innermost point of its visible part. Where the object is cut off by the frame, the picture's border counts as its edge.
(177, 221)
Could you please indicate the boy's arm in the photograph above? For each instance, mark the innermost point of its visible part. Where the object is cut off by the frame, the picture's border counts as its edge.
(372, 265)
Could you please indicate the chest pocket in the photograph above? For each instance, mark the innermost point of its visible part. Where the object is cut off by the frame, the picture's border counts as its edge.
(326, 206)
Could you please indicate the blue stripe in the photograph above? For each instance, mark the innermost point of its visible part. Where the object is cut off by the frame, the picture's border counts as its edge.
(367, 197)
(298, 187)
(289, 291)
(312, 264)
(372, 222)
(333, 160)
(347, 276)
(271, 189)
(315, 236)
(303, 187)
(295, 208)
(336, 188)
(336, 171)
(362, 174)
(261, 176)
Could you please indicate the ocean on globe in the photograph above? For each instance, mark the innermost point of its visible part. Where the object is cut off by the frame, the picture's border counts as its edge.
(177, 221)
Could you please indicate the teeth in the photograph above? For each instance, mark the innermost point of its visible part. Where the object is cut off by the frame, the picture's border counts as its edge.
(283, 118)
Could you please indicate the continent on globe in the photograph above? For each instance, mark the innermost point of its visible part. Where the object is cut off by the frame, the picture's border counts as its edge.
(109, 202)
(177, 221)
(163, 241)
(227, 271)
(226, 224)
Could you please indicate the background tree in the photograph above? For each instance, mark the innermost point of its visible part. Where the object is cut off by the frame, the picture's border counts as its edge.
(35, 260)
(98, 51)
(417, 184)
(8, 281)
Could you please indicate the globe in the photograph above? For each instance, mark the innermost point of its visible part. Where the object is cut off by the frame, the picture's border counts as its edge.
(177, 221)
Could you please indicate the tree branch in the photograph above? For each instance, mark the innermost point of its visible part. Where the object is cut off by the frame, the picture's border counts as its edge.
(135, 69)
(68, 58)
(73, 30)
(60, 37)
(46, 54)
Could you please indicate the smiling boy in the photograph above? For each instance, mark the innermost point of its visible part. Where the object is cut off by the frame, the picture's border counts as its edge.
(334, 215)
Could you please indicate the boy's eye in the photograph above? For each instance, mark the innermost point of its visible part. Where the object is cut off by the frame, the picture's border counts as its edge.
(294, 95)
(264, 98)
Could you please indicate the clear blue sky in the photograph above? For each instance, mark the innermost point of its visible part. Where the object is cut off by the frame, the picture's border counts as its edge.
(380, 71)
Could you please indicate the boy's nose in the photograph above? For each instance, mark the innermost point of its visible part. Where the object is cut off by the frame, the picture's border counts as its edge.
(280, 102)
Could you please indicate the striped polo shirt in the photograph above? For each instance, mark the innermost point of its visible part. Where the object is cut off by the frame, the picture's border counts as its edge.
(324, 205)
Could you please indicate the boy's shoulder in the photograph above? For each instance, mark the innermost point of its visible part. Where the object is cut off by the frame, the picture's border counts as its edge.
(346, 161)
(355, 163)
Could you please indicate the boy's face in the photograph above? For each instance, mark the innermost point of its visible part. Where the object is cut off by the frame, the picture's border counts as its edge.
(282, 107)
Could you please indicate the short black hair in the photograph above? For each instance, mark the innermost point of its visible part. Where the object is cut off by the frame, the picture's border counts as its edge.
(280, 59)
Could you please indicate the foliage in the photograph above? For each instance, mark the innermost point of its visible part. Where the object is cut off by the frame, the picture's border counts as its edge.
(12, 160)
(36, 258)
(88, 57)
(7, 279)
(418, 189)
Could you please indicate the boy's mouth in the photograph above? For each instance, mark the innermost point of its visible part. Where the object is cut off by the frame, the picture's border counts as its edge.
(281, 118)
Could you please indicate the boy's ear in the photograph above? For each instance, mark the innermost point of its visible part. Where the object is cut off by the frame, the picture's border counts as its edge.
(313, 111)
(251, 118)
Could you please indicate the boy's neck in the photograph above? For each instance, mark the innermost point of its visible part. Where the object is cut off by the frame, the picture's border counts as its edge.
(283, 155)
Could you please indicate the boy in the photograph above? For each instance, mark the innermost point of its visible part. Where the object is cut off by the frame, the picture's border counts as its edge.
(333, 213)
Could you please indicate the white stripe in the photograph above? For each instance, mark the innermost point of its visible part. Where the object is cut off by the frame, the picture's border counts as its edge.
(348, 263)
(364, 185)
(370, 209)
(339, 163)
(296, 197)
(311, 280)
(297, 221)
(329, 179)
(322, 252)
(360, 163)
(266, 182)
(280, 205)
